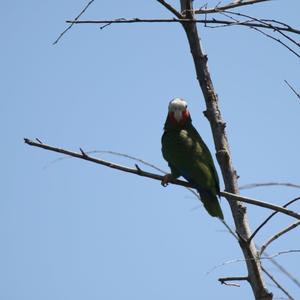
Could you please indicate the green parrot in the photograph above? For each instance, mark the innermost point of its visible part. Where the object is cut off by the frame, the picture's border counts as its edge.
(188, 156)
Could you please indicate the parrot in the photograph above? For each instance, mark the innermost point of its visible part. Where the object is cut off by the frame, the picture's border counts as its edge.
(188, 156)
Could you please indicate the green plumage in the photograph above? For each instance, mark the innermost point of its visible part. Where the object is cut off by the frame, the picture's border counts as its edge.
(188, 156)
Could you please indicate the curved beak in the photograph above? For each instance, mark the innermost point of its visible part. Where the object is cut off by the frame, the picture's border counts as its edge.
(177, 115)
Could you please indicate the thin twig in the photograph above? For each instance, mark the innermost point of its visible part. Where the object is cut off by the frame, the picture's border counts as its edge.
(235, 4)
(279, 253)
(170, 8)
(283, 270)
(256, 185)
(238, 260)
(270, 217)
(177, 20)
(230, 230)
(297, 94)
(278, 235)
(130, 157)
(277, 283)
(68, 28)
(85, 156)
(277, 40)
(264, 23)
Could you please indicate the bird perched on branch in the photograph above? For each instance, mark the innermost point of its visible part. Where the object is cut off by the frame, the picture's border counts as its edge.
(188, 156)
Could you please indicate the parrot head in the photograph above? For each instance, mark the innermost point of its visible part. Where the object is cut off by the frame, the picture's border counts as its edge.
(178, 112)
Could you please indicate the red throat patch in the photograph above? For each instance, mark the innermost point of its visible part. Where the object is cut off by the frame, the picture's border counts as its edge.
(184, 117)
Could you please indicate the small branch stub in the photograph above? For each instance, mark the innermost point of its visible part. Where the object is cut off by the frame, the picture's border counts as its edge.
(228, 280)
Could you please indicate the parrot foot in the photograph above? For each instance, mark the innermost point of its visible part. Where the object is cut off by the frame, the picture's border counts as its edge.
(166, 179)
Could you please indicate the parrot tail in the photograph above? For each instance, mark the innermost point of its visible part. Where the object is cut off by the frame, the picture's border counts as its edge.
(211, 204)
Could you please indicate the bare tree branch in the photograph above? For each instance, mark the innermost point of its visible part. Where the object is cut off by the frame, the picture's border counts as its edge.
(297, 94)
(263, 184)
(250, 22)
(170, 8)
(139, 160)
(138, 171)
(260, 203)
(278, 235)
(85, 156)
(177, 20)
(68, 28)
(277, 284)
(234, 4)
(270, 217)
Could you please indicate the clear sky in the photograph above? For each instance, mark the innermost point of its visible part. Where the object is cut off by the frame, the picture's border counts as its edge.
(73, 230)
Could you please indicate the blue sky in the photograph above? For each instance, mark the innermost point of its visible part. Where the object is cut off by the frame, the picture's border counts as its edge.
(70, 229)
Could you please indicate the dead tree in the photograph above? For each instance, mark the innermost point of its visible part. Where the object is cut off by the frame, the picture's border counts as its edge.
(186, 17)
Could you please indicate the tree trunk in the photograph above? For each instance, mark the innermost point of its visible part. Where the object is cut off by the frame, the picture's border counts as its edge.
(217, 124)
